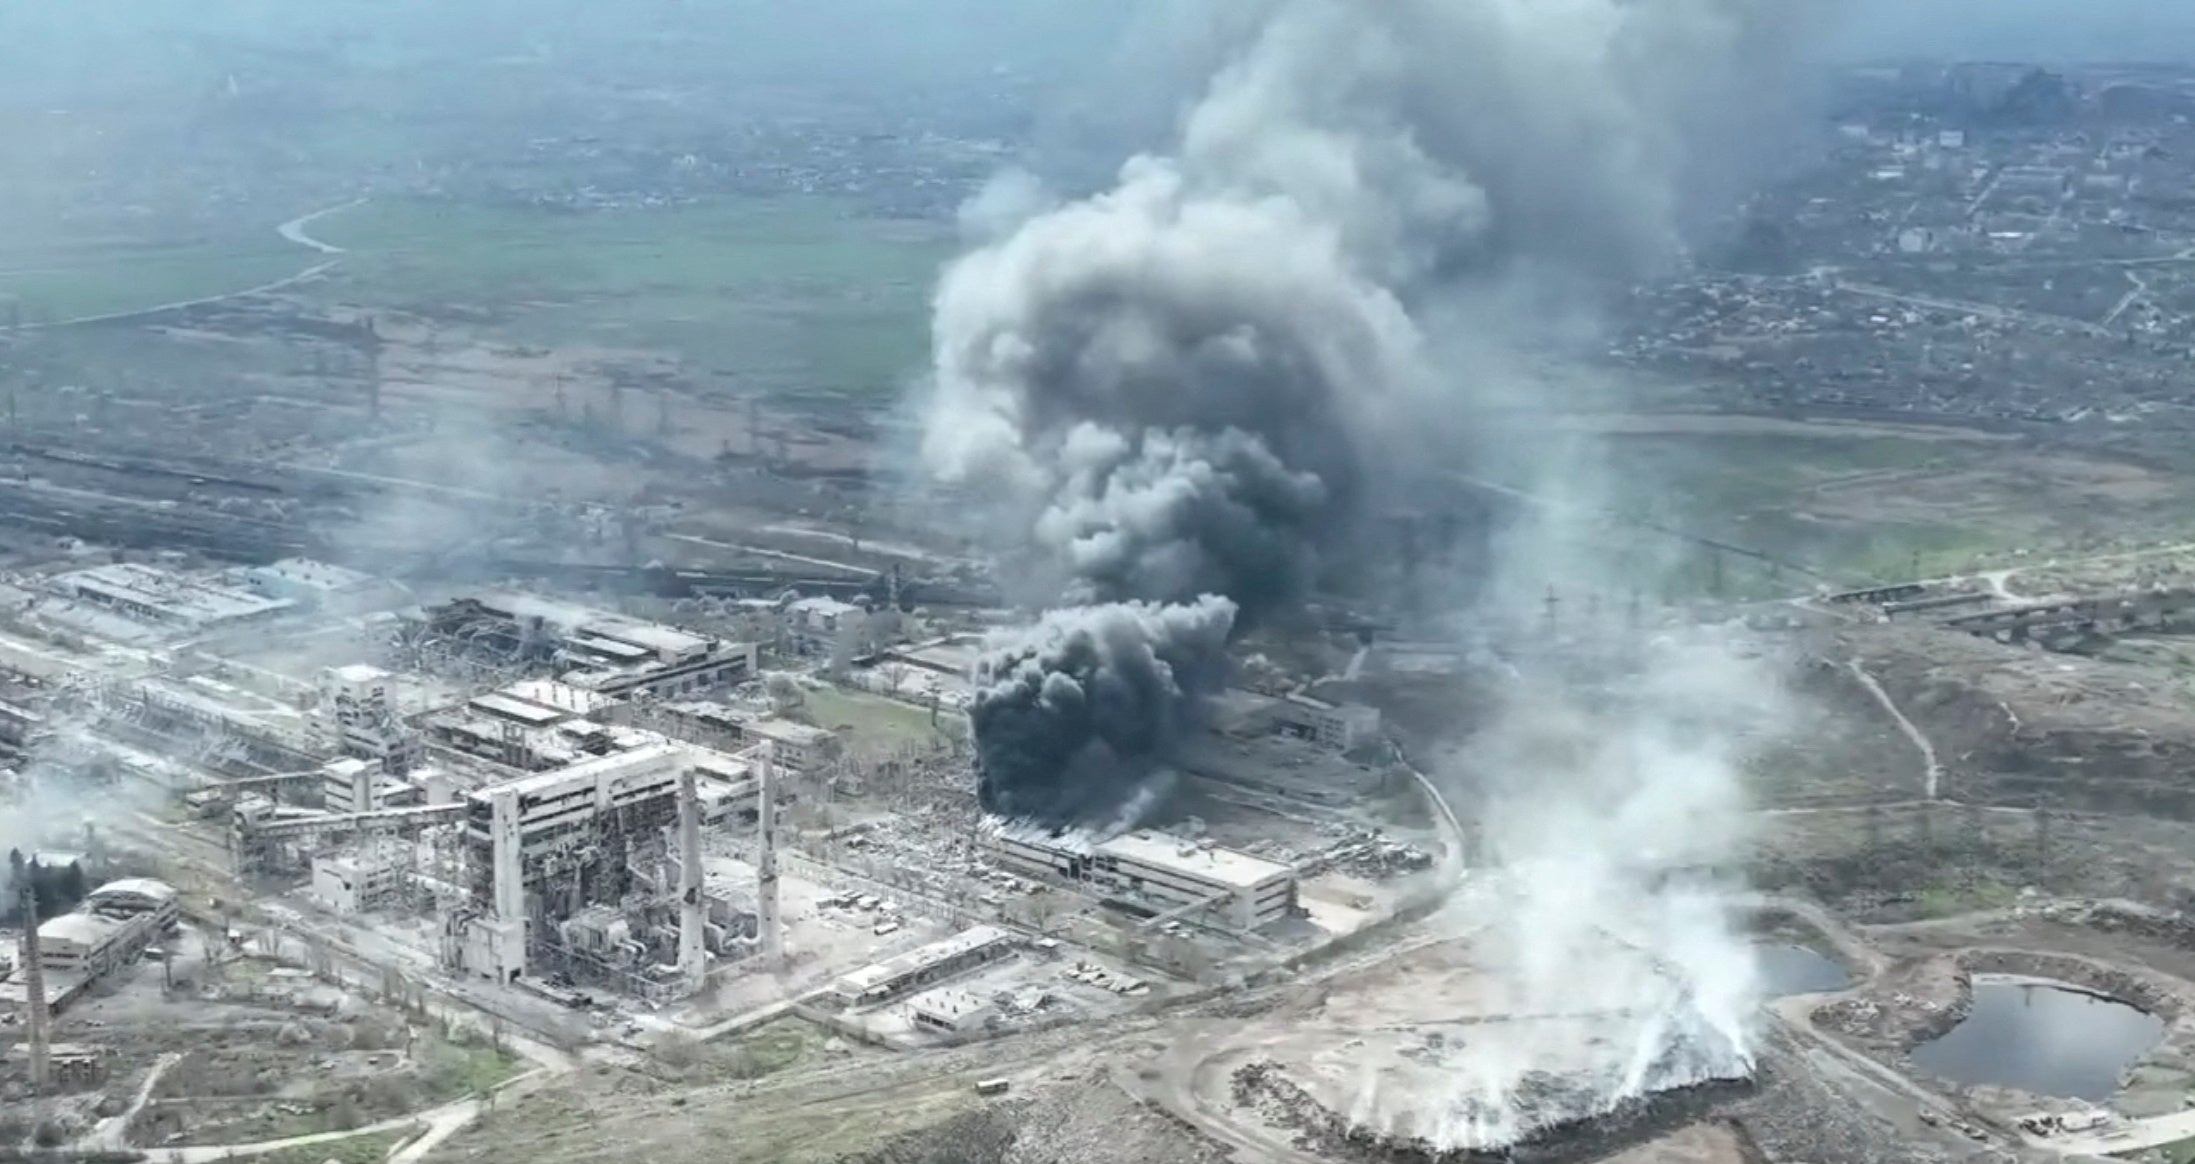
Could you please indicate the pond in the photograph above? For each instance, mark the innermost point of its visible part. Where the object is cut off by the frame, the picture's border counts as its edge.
(2042, 1037)
(1788, 970)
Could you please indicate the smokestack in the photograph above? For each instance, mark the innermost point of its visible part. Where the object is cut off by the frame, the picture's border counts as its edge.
(34, 983)
(692, 955)
(773, 946)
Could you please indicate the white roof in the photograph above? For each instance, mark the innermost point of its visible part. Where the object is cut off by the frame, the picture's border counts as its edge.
(136, 886)
(651, 759)
(1228, 867)
(798, 734)
(948, 1002)
(361, 673)
(78, 929)
(550, 693)
(891, 969)
(577, 621)
(326, 575)
(183, 599)
(509, 707)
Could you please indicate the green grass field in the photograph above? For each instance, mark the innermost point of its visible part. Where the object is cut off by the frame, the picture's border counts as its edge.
(873, 721)
(784, 294)
(58, 280)
(364, 1148)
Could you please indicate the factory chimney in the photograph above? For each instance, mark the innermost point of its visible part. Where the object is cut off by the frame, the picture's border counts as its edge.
(692, 956)
(34, 984)
(773, 947)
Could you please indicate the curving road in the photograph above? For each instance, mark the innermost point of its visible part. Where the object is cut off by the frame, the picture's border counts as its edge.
(293, 230)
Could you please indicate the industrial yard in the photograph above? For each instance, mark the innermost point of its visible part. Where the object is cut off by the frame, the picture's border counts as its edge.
(630, 632)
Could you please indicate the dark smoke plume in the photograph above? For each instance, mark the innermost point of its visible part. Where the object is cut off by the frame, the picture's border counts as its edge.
(1195, 382)
(1072, 715)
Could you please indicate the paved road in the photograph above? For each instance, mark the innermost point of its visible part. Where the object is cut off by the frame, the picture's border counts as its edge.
(294, 229)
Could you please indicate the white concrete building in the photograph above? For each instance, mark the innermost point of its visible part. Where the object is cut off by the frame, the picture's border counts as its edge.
(917, 968)
(1336, 726)
(1157, 873)
(316, 585)
(357, 882)
(817, 623)
(354, 785)
(797, 747)
(156, 597)
(604, 652)
(118, 922)
(950, 1010)
(358, 716)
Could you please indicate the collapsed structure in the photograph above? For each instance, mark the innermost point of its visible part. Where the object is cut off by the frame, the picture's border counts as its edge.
(595, 650)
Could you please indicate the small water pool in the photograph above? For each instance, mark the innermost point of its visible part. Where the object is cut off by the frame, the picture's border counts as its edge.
(1788, 970)
(2044, 1038)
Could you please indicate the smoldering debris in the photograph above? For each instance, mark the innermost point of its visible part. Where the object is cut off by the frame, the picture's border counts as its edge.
(1196, 382)
(1569, 1120)
(1073, 714)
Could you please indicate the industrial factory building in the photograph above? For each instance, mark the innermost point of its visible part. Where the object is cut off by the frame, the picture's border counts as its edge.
(360, 881)
(920, 967)
(118, 922)
(317, 585)
(535, 725)
(170, 601)
(556, 858)
(596, 650)
(1336, 727)
(354, 785)
(796, 747)
(358, 715)
(1154, 873)
(950, 1010)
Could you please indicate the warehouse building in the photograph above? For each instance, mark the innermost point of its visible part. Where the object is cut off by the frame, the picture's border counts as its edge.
(318, 585)
(923, 966)
(596, 650)
(796, 747)
(118, 922)
(1151, 873)
(158, 598)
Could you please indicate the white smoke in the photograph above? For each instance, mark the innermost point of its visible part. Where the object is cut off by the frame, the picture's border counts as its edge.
(1599, 920)
(1202, 379)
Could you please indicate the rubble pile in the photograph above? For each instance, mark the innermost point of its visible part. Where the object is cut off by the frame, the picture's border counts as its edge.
(1566, 1119)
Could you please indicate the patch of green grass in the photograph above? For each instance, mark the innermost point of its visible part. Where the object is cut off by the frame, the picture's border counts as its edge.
(778, 1045)
(455, 1069)
(791, 293)
(864, 719)
(55, 281)
(1951, 900)
(364, 1148)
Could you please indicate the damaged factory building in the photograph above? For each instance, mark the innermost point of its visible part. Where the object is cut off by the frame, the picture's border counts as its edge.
(592, 874)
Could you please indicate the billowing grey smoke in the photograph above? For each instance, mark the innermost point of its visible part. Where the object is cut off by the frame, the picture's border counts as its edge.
(1192, 383)
(1073, 713)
